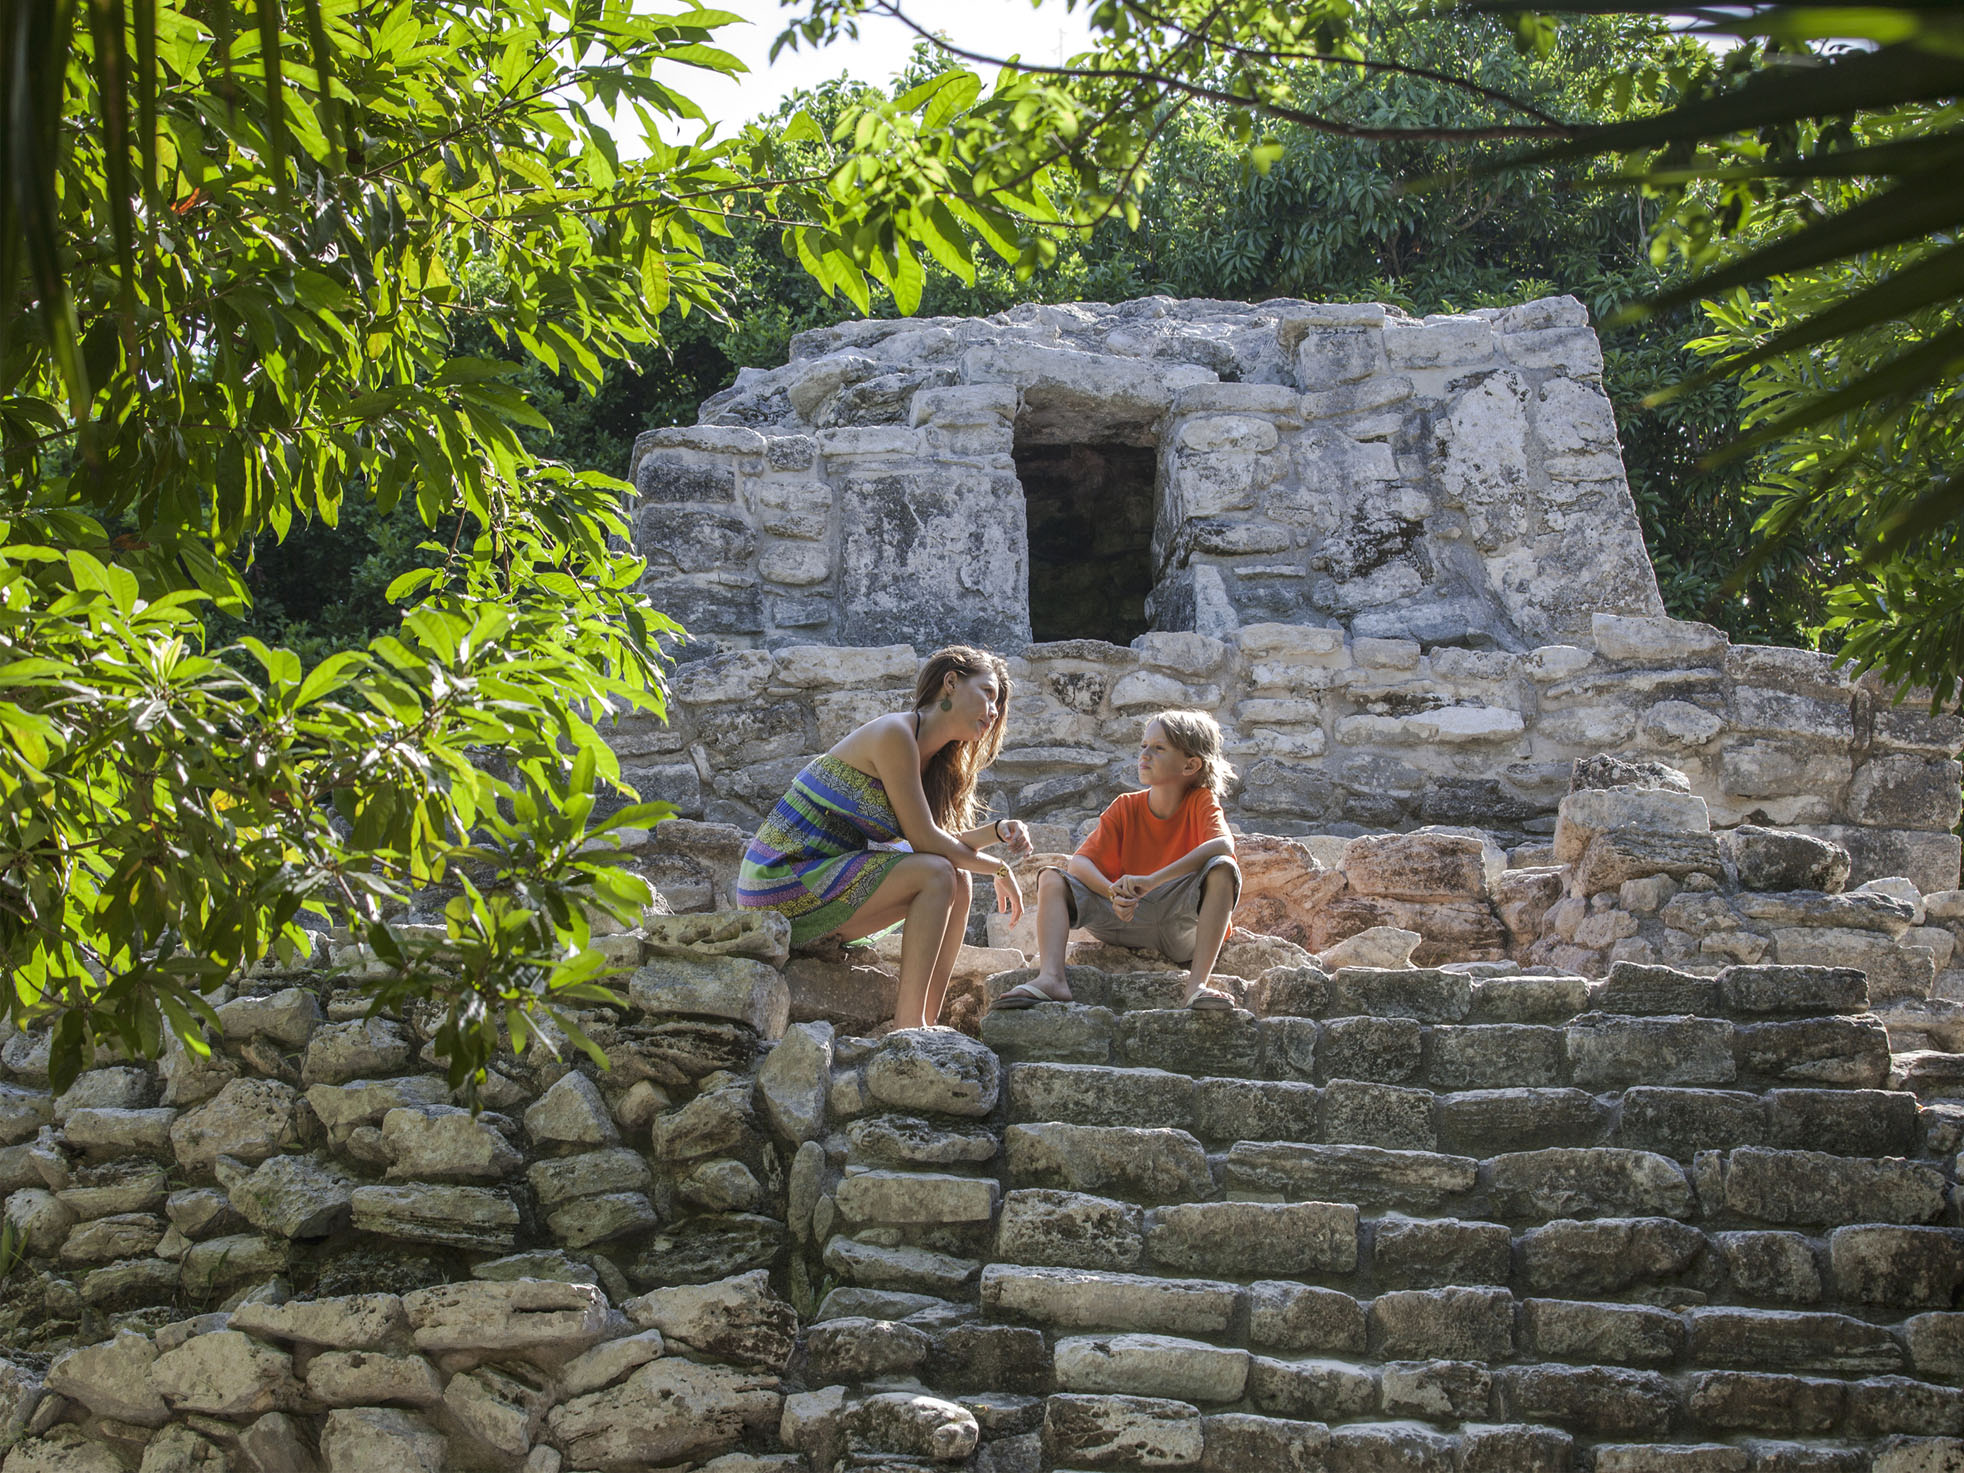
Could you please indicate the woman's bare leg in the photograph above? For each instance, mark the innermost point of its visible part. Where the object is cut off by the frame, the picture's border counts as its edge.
(919, 892)
(951, 948)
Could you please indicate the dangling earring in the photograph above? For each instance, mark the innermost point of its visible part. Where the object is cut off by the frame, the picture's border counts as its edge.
(947, 703)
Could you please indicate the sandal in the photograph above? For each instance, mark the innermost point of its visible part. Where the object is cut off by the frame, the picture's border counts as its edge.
(1207, 1000)
(1024, 995)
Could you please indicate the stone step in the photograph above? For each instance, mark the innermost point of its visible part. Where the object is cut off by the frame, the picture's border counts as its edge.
(1746, 994)
(1305, 1396)
(1594, 1051)
(1237, 1240)
(1674, 1121)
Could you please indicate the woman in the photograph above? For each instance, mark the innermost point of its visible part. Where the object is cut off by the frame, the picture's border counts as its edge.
(907, 775)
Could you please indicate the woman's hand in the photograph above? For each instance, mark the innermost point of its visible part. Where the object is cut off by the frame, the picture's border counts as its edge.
(1014, 834)
(1009, 894)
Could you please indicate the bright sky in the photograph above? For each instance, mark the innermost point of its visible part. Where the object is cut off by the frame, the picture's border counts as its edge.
(992, 27)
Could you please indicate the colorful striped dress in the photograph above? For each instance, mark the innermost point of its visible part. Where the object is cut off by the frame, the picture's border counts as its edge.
(810, 860)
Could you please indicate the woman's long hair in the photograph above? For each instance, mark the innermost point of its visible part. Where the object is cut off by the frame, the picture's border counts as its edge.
(949, 781)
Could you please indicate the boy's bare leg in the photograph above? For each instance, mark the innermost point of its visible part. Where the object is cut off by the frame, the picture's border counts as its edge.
(1216, 904)
(951, 946)
(1053, 934)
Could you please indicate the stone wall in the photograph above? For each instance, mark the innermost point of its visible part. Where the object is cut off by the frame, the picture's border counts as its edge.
(1344, 734)
(1454, 481)
(1464, 1220)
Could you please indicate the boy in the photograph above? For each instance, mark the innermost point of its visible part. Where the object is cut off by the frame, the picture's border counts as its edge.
(1157, 873)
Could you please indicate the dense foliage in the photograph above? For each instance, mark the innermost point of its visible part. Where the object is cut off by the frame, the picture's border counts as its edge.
(1331, 220)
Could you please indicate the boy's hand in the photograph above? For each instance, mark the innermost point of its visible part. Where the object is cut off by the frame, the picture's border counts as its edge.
(1131, 887)
(1123, 906)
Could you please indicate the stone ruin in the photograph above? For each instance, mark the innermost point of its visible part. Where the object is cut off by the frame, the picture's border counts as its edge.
(1398, 559)
(1576, 1115)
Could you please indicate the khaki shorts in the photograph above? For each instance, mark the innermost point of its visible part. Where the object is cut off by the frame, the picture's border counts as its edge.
(1165, 920)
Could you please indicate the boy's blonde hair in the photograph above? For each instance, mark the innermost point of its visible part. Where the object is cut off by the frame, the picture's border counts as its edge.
(1196, 734)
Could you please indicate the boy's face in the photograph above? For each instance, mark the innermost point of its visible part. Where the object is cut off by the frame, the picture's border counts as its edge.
(1160, 762)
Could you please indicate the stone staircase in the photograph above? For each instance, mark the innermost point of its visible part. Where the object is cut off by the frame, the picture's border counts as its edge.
(1416, 1219)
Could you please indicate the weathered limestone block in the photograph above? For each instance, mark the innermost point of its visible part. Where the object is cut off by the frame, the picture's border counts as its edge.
(934, 1071)
(63, 1449)
(1607, 1052)
(1861, 910)
(1283, 1315)
(1383, 1050)
(1608, 1401)
(224, 1373)
(1846, 1052)
(287, 1017)
(350, 1322)
(1579, 1259)
(1069, 1230)
(794, 1079)
(1622, 1334)
(1790, 1340)
(1426, 995)
(108, 1131)
(338, 1052)
(907, 1424)
(1079, 1094)
(1895, 970)
(1917, 1268)
(1492, 1121)
(738, 988)
(1602, 1180)
(1081, 1299)
(1419, 1253)
(1681, 1122)
(1151, 1365)
(855, 1348)
(908, 1140)
(1376, 947)
(361, 1439)
(1810, 1187)
(1771, 1265)
(590, 1174)
(665, 1412)
(916, 1270)
(249, 1120)
(294, 1196)
(915, 1197)
(1121, 1431)
(1365, 1175)
(1123, 1161)
(1418, 866)
(344, 1108)
(352, 1378)
(1444, 1324)
(1241, 1442)
(112, 1379)
(105, 1239)
(476, 1218)
(445, 1143)
(1323, 1390)
(1235, 1238)
(570, 1113)
(496, 1407)
(1247, 1109)
(1771, 991)
(491, 1317)
(1780, 859)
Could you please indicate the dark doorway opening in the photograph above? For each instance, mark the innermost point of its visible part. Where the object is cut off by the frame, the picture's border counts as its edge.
(1090, 520)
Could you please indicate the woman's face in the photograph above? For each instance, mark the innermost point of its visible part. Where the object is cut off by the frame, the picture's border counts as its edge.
(978, 704)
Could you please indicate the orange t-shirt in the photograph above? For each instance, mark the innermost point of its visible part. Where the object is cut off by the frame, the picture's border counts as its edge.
(1131, 840)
